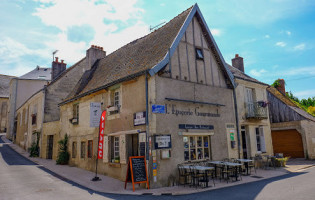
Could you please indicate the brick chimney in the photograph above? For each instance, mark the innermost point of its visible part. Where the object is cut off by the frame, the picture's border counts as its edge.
(238, 62)
(57, 68)
(93, 54)
(281, 87)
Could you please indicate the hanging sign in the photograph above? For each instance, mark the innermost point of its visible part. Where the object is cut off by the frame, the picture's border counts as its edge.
(158, 108)
(101, 136)
(139, 118)
(137, 171)
(95, 114)
(162, 141)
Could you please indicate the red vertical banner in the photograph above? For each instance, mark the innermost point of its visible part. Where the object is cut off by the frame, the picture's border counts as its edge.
(101, 136)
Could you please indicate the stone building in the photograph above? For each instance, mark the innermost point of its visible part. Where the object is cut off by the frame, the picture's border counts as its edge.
(168, 95)
(40, 112)
(21, 89)
(292, 129)
(4, 101)
(252, 109)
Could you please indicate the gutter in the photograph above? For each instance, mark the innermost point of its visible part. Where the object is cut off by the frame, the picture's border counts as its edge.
(237, 125)
(126, 78)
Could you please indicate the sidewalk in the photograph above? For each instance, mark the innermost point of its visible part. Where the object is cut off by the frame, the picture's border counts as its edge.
(107, 184)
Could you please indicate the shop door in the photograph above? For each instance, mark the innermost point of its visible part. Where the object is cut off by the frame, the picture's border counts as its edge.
(288, 142)
(132, 145)
(244, 144)
(50, 145)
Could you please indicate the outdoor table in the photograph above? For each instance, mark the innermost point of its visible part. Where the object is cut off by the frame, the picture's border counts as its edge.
(215, 163)
(235, 166)
(205, 169)
(246, 163)
(201, 168)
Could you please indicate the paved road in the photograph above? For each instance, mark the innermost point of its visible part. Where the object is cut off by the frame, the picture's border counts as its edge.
(23, 179)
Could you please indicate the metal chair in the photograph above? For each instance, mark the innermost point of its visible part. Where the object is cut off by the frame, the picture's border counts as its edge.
(183, 173)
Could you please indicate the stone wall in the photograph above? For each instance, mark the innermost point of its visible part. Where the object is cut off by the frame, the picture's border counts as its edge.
(60, 88)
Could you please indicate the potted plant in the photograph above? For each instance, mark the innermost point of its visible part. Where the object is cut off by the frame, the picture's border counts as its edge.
(117, 159)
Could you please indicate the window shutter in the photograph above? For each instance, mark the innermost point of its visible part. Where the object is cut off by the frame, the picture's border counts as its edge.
(262, 139)
(106, 148)
(122, 149)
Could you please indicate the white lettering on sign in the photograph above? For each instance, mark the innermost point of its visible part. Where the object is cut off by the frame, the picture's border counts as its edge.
(139, 118)
(95, 114)
(163, 141)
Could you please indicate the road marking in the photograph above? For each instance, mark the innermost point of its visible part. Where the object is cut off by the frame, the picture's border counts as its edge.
(305, 168)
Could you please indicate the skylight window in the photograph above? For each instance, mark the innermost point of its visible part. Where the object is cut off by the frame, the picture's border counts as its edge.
(199, 54)
(42, 77)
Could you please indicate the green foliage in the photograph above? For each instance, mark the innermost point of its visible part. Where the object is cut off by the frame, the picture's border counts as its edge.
(34, 149)
(281, 162)
(63, 154)
(305, 104)
(276, 83)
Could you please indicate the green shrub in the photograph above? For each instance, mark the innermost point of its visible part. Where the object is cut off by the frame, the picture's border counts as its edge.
(34, 149)
(281, 162)
(63, 154)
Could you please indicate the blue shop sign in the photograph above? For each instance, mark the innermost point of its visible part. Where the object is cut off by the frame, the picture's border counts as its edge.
(158, 108)
(195, 126)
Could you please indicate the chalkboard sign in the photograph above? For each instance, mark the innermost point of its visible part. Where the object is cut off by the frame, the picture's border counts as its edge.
(137, 171)
(142, 148)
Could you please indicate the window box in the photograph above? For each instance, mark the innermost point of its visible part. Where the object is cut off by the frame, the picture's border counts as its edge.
(74, 121)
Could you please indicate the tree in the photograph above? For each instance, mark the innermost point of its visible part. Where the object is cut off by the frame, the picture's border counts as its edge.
(63, 154)
(34, 149)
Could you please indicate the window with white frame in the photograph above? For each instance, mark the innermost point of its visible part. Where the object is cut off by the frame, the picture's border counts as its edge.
(115, 149)
(21, 118)
(260, 139)
(196, 147)
(26, 116)
(115, 99)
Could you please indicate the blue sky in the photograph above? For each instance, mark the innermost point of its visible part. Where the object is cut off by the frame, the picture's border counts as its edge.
(276, 38)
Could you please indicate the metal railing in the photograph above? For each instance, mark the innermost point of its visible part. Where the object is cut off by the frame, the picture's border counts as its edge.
(256, 110)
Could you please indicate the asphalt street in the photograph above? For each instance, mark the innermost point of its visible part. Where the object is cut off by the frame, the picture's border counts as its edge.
(23, 179)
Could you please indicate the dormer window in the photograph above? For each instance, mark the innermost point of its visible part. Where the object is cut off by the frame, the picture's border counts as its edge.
(199, 54)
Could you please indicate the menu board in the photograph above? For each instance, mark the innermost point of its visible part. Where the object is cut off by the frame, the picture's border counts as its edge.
(136, 171)
(142, 148)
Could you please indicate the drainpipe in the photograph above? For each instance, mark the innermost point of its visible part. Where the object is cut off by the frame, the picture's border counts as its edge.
(237, 125)
(147, 122)
(42, 122)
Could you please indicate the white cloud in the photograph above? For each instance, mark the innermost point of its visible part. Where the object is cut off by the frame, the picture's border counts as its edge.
(299, 71)
(10, 50)
(257, 73)
(299, 47)
(216, 32)
(305, 93)
(281, 44)
(267, 36)
(103, 18)
(288, 33)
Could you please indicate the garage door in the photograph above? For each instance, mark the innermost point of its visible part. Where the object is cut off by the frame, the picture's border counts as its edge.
(288, 142)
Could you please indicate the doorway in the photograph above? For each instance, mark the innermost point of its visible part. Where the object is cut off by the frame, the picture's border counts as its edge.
(132, 145)
(50, 145)
(244, 142)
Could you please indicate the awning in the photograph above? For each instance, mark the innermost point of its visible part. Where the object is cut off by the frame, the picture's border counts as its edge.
(197, 134)
(125, 132)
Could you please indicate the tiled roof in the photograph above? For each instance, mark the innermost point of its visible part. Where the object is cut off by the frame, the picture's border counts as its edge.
(280, 96)
(38, 73)
(5, 85)
(289, 103)
(137, 56)
(241, 75)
